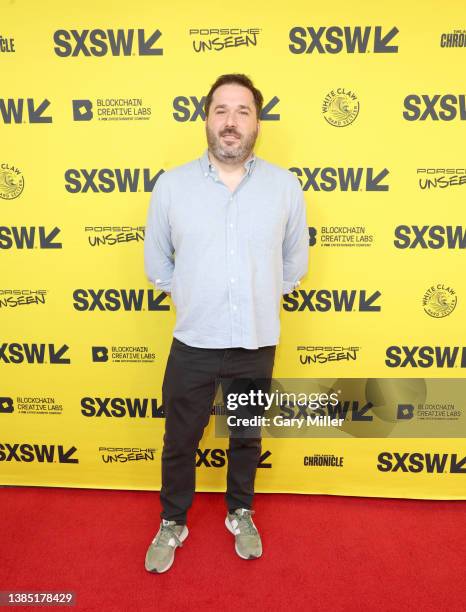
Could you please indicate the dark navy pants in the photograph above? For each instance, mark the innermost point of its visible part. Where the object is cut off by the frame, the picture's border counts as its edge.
(188, 391)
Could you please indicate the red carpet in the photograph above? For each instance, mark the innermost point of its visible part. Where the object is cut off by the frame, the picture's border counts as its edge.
(320, 553)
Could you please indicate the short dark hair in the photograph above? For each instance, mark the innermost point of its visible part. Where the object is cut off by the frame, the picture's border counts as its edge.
(237, 79)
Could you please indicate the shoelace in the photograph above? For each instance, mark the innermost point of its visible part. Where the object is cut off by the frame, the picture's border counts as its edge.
(245, 524)
(166, 533)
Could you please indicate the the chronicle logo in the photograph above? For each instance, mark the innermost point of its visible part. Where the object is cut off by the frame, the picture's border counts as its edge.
(12, 298)
(24, 110)
(430, 237)
(7, 45)
(119, 407)
(31, 405)
(439, 301)
(340, 107)
(17, 352)
(323, 460)
(11, 181)
(111, 235)
(218, 39)
(41, 453)
(192, 108)
(431, 178)
(97, 43)
(337, 300)
(309, 355)
(32, 237)
(119, 299)
(437, 107)
(415, 463)
(341, 236)
(111, 109)
(335, 39)
(341, 179)
(122, 354)
(426, 356)
(457, 38)
(107, 180)
(113, 454)
(217, 457)
(429, 412)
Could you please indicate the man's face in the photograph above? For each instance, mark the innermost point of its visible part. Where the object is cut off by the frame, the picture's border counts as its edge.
(232, 124)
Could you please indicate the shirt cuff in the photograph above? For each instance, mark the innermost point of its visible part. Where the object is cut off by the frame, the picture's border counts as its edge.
(289, 287)
(163, 285)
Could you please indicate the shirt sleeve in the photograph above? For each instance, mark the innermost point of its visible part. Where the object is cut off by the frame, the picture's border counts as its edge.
(295, 243)
(158, 248)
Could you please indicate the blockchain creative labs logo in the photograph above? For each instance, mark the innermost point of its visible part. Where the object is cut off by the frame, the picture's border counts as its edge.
(440, 178)
(340, 107)
(124, 353)
(11, 181)
(439, 301)
(354, 236)
(111, 109)
(456, 39)
(322, 460)
(114, 235)
(218, 39)
(7, 44)
(31, 404)
(430, 411)
(115, 454)
(13, 298)
(310, 355)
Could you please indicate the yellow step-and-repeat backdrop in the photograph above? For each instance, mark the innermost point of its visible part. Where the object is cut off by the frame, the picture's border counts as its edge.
(365, 103)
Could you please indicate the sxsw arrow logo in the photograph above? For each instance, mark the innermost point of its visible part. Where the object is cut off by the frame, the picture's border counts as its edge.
(335, 39)
(457, 466)
(146, 46)
(97, 43)
(42, 453)
(266, 115)
(13, 110)
(342, 179)
(23, 237)
(65, 456)
(17, 352)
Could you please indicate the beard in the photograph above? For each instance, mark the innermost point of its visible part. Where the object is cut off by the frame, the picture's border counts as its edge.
(234, 153)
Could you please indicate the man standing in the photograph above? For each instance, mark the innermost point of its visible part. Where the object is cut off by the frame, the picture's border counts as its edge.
(226, 235)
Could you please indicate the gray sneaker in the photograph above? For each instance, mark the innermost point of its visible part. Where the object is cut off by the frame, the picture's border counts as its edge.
(161, 552)
(248, 543)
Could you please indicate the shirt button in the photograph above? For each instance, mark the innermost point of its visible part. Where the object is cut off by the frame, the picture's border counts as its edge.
(231, 224)
(232, 280)
(234, 307)
(206, 174)
(232, 252)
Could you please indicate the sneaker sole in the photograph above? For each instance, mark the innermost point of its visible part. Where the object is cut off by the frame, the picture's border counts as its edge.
(231, 530)
(184, 534)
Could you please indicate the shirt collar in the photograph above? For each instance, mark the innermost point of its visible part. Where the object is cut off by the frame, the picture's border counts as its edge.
(208, 167)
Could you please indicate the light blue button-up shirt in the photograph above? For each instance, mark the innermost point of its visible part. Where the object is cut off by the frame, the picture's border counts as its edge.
(227, 257)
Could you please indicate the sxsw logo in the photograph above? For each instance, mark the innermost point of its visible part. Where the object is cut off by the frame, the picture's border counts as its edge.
(82, 110)
(118, 299)
(6, 405)
(16, 352)
(217, 457)
(42, 453)
(32, 237)
(24, 110)
(107, 180)
(191, 108)
(414, 463)
(427, 107)
(324, 300)
(121, 406)
(336, 39)
(430, 237)
(343, 179)
(426, 356)
(97, 43)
